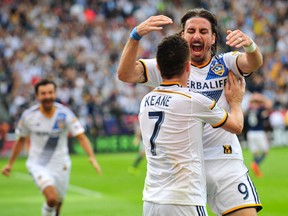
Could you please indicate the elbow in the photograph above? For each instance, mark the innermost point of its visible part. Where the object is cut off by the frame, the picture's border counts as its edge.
(238, 130)
(120, 75)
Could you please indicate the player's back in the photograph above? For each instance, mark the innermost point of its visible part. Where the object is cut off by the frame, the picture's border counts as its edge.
(209, 80)
(171, 121)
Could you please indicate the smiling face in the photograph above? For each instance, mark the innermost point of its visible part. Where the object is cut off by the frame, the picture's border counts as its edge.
(198, 33)
(46, 95)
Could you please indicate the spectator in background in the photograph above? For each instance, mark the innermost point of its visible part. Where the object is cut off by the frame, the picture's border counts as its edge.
(47, 125)
(44, 38)
(257, 123)
(277, 121)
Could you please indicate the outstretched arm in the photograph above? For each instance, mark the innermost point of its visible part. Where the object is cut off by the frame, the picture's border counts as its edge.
(17, 148)
(129, 69)
(86, 145)
(252, 59)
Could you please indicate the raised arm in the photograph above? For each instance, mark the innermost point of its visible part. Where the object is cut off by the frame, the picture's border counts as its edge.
(234, 92)
(129, 69)
(252, 59)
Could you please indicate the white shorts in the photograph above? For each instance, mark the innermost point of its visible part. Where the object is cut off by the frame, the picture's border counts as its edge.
(57, 177)
(229, 188)
(152, 209)
(257, 141)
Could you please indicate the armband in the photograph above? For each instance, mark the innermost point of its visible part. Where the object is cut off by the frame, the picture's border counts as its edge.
(134, 35)
(251, 48)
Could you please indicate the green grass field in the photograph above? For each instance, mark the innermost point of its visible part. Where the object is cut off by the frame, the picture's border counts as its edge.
(117, 193)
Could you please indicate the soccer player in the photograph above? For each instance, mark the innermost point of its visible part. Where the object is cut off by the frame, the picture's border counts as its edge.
(47, 124)
(257, 118)
(171, 122)
(137, 141)
(230, 191)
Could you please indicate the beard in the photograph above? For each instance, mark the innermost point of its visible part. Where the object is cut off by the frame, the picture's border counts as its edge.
(47, 104)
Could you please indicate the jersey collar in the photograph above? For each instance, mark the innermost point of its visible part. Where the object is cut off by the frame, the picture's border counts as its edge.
(202, 65)
(170, 84)
(48, 115)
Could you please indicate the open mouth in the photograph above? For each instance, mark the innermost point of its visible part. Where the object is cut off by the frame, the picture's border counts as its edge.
(197, 47)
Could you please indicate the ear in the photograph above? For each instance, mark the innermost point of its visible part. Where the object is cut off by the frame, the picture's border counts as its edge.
(188, 65)
(157, 67)
(213, 38)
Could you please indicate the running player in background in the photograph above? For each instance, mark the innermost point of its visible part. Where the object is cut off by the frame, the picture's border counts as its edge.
(137, 141)
(47, 125)
(257, 118)
(171, 121)
(208, 74)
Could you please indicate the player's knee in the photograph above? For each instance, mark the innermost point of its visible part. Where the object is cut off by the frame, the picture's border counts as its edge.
(52, 202)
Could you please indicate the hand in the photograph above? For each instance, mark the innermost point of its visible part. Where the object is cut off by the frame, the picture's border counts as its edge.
(6, 170)
(95, 164)
(234, 89)
(237, 39)
(153, 23)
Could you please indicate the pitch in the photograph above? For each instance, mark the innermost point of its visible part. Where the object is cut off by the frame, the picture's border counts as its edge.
(118, 193)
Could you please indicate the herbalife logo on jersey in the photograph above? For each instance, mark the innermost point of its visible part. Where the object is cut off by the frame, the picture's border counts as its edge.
(227, 149)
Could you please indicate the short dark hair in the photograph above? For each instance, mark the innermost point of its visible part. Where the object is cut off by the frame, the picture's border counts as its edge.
(203, 13)
(43, 83)
(172, 55)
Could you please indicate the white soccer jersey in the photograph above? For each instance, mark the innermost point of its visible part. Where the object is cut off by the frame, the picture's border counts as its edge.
(171, 120)
(48, 136)
(209, 80)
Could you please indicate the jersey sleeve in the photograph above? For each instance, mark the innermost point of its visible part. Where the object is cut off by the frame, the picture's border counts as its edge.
(230, 60)
(21, 129)
(152, 73)
(74, 125)
(209, 111)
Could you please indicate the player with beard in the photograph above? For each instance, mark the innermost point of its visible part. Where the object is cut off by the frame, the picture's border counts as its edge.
(47, 125)
(229, 188)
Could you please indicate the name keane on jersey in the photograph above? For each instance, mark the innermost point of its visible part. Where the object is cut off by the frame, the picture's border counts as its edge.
(214, 84)
(157, 100)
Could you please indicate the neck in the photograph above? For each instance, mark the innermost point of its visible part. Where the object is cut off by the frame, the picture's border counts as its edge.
(181, 80)
(48, 111)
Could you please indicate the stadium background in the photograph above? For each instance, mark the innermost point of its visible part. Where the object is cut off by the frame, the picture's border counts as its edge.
(78, 44)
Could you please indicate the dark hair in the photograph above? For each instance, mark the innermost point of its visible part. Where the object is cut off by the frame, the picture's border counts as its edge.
(172, 55)
(203, 13)
(43, 83)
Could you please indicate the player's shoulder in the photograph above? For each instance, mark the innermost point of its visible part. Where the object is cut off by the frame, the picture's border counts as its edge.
(62, 108)
(148, 61)
(231, 54)
(31, 110)
(201, 97)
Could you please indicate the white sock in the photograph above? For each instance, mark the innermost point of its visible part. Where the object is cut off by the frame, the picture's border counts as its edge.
(48, 211)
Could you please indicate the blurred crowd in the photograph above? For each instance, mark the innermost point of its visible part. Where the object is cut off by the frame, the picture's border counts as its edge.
(78, 44)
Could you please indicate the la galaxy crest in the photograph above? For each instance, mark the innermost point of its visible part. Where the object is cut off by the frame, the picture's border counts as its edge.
(60, 121)
(218, 69)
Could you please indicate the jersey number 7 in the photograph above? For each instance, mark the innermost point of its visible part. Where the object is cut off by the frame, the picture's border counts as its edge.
(159, 115)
